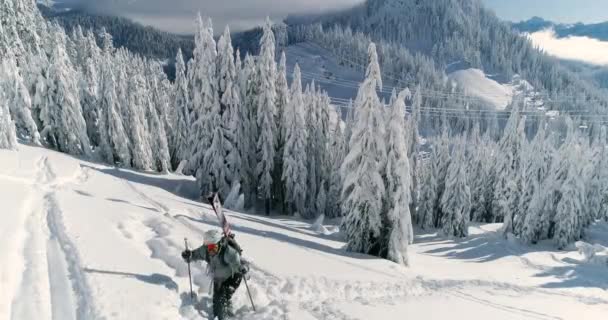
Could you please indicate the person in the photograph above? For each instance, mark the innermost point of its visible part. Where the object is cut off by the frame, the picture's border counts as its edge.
(223, 257)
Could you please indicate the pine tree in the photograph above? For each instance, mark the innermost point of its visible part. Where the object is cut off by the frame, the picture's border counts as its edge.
(113, 141)
(337, 154)
(230, 108)
(428, 189)
(363, 189)
(138, 108)
(282, 101)
(249, 127)
(441, 162)
(597, 177)
(399, 178)
(534, 174)
(8, 138)
(205, 100)
(294, 153)
(266, 114)
(456, 200)
(182, 119)
(508, 171)
(64, 127)
(312, 154)
(413, 137)
(569, 211)
(19, 101)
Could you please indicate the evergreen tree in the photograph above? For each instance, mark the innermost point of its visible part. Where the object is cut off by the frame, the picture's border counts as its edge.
(508, 172)
(266, 114)
(441, 162)
(428, 189)
(230, 108)
(398, 177)
(363, 190)
(282, 101)
(569, 210)
(8, 137)
(63, 124)
(337, 154)
(456, 200)
(18, 99)
(113, 141)
(205, 100)
(182, 119)
(294, 153)
(249, 128)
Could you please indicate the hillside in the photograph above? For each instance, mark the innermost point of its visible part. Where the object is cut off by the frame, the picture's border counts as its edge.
(87, 241)
(447, 32)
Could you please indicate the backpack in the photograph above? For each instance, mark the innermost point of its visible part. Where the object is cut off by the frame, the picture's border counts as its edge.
(228, 241)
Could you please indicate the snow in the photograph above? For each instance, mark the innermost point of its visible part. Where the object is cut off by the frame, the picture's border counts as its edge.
(475, 83)
(488, 89)
(80, 240)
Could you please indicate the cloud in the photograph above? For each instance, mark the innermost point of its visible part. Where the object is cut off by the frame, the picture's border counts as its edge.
(572, 48)
(178, 15)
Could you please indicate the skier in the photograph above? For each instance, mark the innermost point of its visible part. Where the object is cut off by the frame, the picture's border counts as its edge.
(223, 257)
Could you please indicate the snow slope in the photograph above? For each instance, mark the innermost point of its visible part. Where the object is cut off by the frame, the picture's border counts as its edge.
(80, 240)
(494, 93)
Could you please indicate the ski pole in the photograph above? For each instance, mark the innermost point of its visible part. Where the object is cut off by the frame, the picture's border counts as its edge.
(249, 293)
(189, 273)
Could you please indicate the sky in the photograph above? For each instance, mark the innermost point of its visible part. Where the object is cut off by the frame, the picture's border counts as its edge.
(564, 11)
(178, 15)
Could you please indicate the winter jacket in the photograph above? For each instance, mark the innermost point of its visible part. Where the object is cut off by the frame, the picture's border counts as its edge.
(224, 264)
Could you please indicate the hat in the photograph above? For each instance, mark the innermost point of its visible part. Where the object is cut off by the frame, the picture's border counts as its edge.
(211, 236)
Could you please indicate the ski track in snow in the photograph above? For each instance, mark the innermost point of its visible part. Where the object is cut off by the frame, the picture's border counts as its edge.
(53, 285)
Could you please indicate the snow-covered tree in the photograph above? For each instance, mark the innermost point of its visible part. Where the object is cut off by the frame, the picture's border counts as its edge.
(205, 99)
(182, 123)
(456, 200)
(282, 100)
(534, 168)
(113, 140)
(89, 97)
(312, 155)
(266, 114)
(18, 99)
(426, 211)
(441, 162)
(294, 153)
(508, 172)
(570, 211)
(230, 107)
(8, 138)
(398, 178)
(363, 189)
(337, 154)
(597, 177)
(249, 127)
(64, 127)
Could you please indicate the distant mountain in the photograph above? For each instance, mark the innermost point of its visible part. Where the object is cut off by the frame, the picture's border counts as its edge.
(597, 31)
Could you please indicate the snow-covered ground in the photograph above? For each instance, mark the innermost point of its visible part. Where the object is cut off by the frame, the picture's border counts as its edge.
(80, 240)
(478, 85)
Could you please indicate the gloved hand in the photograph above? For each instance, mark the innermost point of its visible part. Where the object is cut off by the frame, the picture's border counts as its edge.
(244, 268)
(187, 255)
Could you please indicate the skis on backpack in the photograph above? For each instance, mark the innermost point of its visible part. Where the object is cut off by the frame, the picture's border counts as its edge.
(216, 203)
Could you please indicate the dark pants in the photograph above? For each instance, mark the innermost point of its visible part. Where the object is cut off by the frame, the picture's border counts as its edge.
(222, 293)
